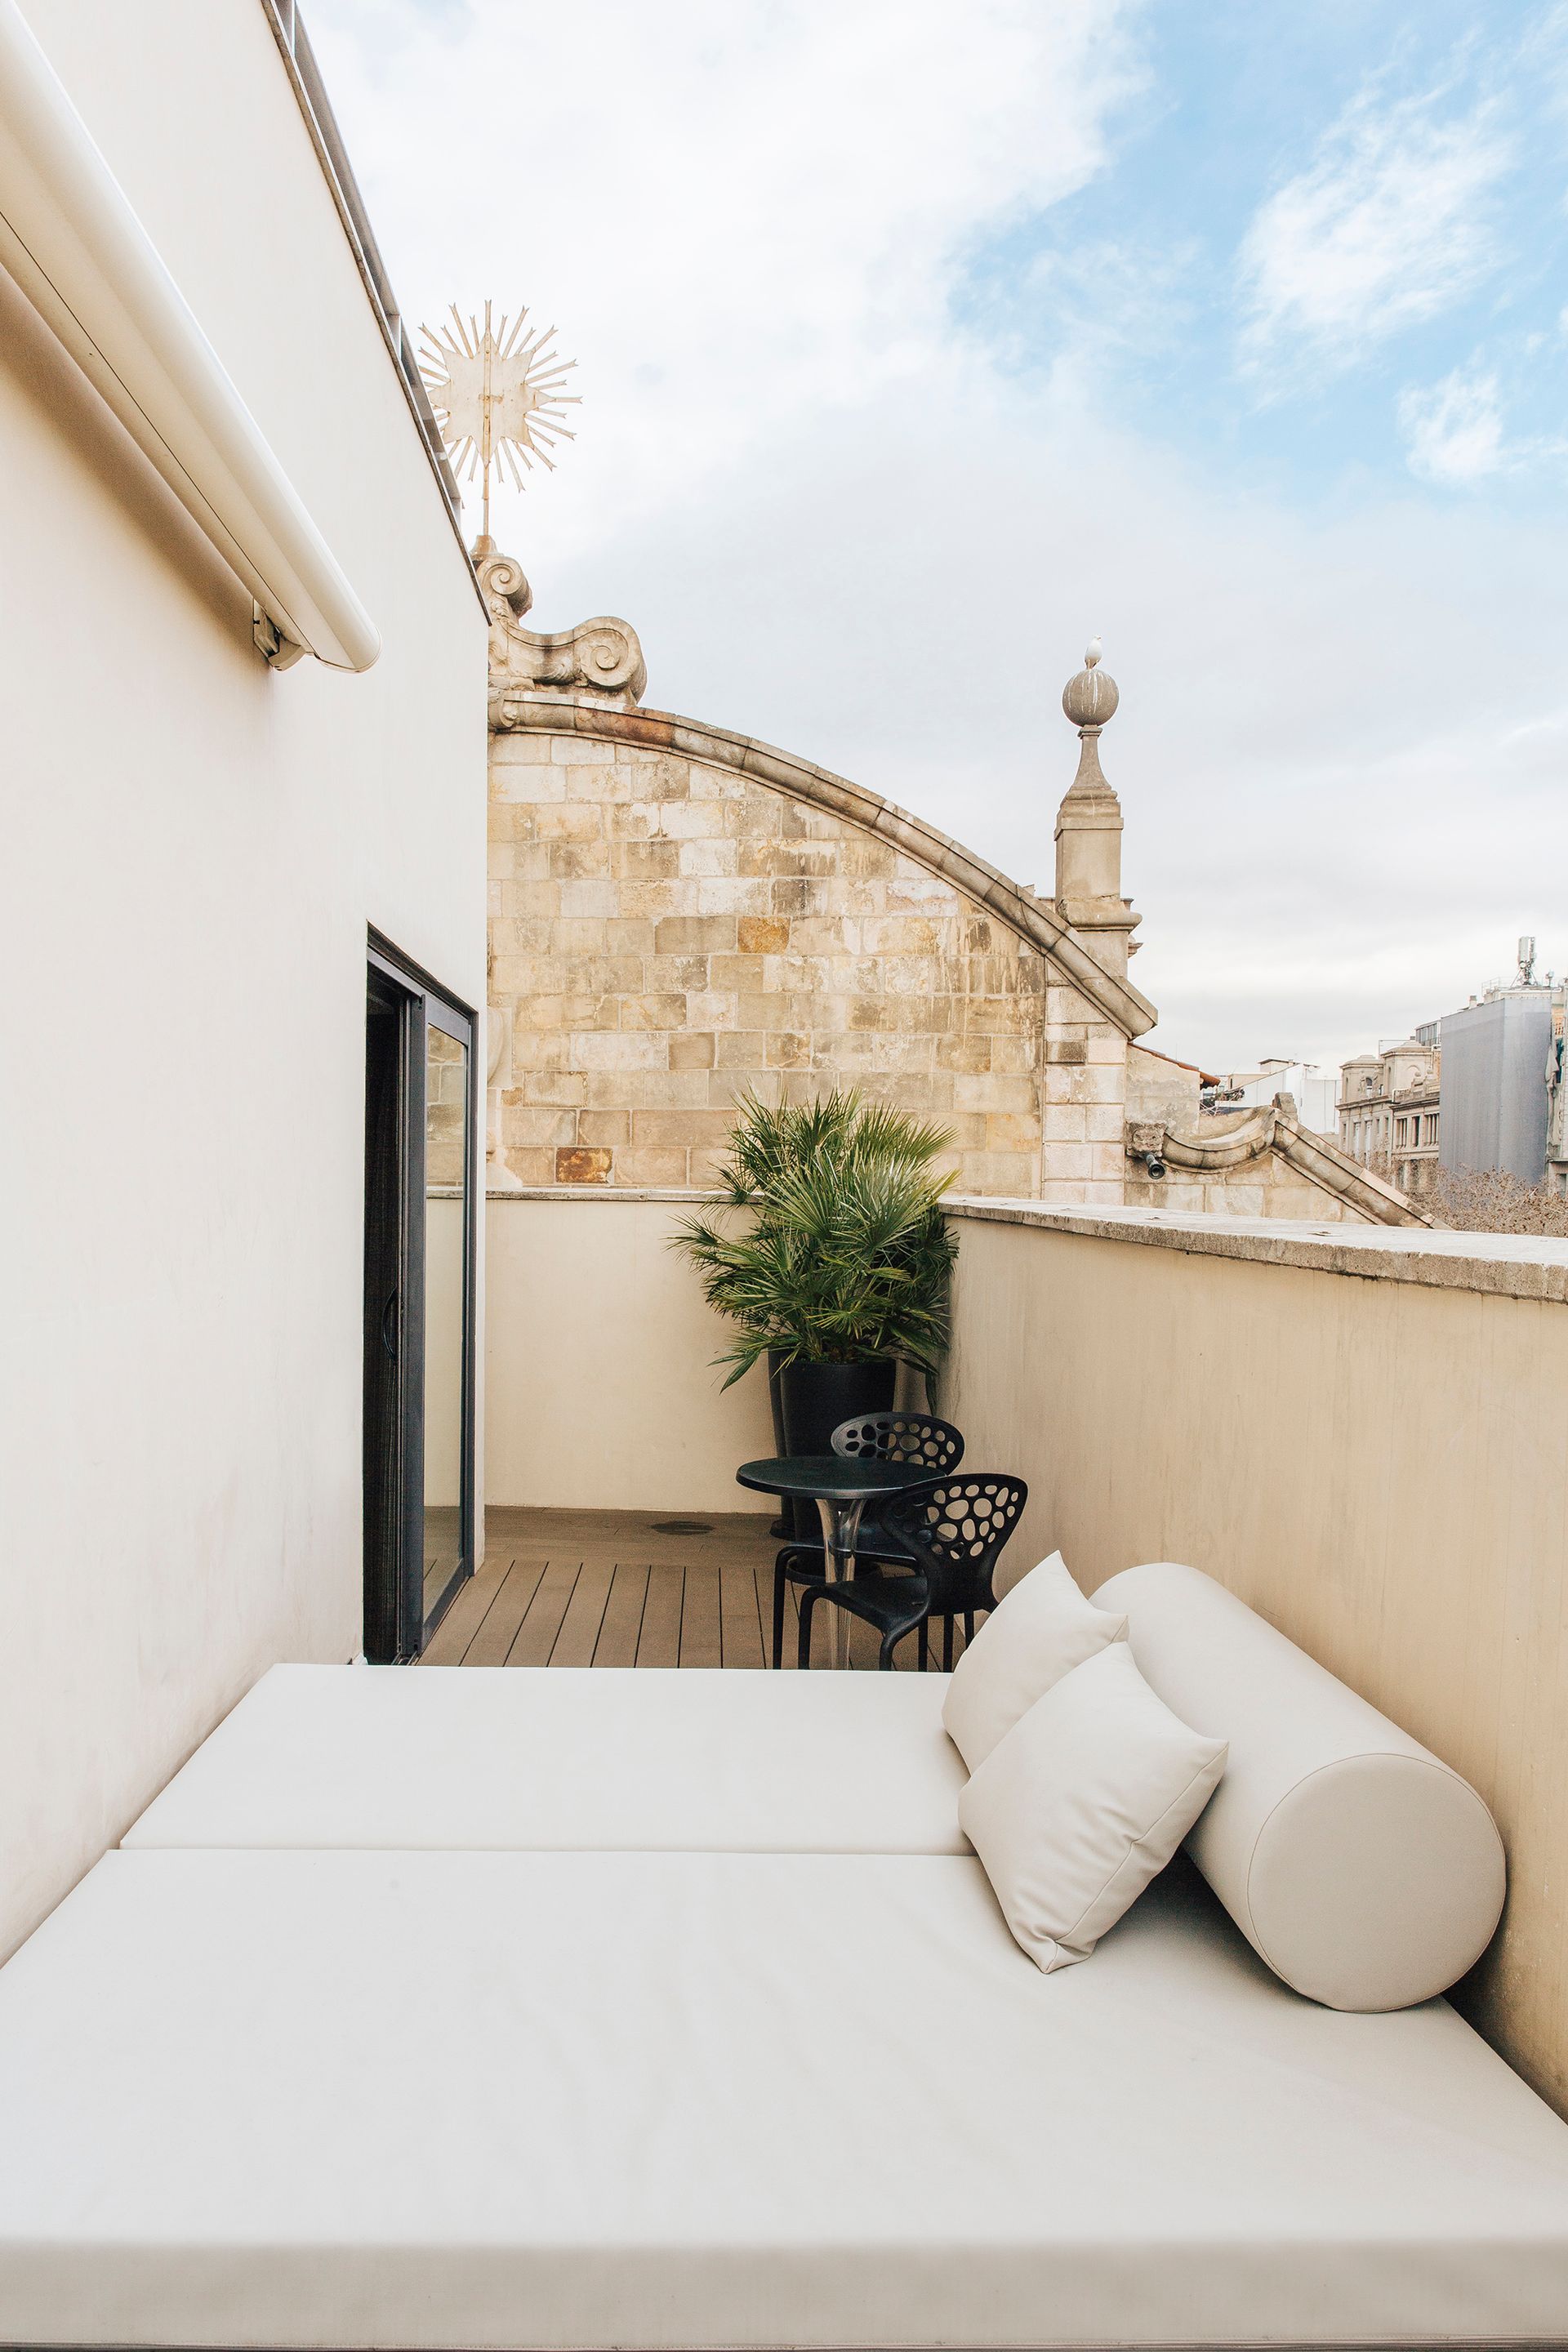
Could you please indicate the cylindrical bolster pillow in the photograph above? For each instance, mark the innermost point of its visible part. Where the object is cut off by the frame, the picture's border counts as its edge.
(1367, 1873)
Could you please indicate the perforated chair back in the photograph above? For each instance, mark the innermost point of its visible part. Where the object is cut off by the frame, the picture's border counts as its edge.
(957, 1533)
(917, 1437)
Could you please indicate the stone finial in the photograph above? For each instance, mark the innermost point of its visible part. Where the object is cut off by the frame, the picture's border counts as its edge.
(1090, 698)
(1089, 827)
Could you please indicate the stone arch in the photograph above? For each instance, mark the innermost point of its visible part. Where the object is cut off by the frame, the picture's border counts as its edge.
(1033, 919)
(677, 913)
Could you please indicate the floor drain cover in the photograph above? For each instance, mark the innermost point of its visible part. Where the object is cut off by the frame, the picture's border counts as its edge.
(682, 1527)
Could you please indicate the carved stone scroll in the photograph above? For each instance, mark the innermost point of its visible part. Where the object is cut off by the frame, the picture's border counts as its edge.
(1277, 1129)
(601, 658)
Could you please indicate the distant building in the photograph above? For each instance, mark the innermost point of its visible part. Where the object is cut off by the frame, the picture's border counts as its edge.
(1498, 1051)
(1503, 1101)
(1389, 1112)
(1313, 1090)
(1557, 1096)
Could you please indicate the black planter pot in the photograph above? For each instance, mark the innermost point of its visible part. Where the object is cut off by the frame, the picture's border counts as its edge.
(784, 1525)
(813, 1398)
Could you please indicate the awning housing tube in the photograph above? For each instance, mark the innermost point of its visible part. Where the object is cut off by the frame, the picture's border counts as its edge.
(74, 245)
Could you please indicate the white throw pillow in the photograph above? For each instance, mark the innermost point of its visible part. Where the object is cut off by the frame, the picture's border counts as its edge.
(1083, 1802)
(1037, 1633)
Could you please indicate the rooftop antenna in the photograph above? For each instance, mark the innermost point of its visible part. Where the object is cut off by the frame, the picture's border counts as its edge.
(495, 391)
(1526, 961)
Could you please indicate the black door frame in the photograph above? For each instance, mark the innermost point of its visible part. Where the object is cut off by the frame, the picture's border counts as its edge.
(396, 1625)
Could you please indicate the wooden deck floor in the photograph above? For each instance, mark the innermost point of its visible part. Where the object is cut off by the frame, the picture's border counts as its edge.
(627, 1589)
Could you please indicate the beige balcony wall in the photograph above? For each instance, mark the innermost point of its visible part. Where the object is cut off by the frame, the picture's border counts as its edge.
(1365, 1436)
(600, 1390)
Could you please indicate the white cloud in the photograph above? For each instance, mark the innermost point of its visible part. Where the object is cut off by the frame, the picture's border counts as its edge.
(1453, 430)
(1387, 226)
(1343, 745)
(737, 212)
(1112, 303)
(839, 527)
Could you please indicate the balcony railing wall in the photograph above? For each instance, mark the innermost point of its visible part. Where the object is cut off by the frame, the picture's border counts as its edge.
(601, 1393)
(1363, 1432)
(1365, 1436)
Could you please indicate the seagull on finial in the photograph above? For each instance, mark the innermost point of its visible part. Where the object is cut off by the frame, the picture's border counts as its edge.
(1092, 653)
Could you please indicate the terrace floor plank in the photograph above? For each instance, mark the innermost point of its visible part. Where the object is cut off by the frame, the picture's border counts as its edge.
(504, 1615)
(658, 1642)
(701, 1637)
(536, 1637)
(448, 1645)
(764, 1577)
(622, 1625)
(578, 1638)
(740, 1623)
(633, 1587)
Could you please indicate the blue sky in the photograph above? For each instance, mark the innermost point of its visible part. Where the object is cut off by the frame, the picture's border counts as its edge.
(917, 346)
(1330, 246)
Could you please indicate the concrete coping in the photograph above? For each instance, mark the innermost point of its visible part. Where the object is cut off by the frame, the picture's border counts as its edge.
(1508, 1265)
(673, 1195)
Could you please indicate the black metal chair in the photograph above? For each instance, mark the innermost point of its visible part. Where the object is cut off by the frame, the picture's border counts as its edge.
(915, 1437)
(956, 1534)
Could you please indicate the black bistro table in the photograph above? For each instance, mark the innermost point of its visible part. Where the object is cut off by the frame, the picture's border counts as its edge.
(840, 1487)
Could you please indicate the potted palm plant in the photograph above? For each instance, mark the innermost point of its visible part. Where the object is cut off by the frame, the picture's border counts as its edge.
(843, 1268)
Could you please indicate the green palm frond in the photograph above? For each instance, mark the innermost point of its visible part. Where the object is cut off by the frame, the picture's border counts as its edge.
(847, 1254)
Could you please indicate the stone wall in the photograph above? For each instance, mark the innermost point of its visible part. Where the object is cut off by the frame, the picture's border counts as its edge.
(1264, 1187)
(1163, 1093)
(680, 913)
(669, 927)
(665, 933)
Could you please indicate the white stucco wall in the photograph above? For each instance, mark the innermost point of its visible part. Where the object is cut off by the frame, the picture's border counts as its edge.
(193, 849)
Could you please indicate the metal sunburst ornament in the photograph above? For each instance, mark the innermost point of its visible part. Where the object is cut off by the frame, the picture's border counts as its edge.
(496, 395)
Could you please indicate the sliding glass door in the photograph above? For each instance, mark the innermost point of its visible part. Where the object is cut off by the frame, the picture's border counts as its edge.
(421, 1166)
(448, 1149)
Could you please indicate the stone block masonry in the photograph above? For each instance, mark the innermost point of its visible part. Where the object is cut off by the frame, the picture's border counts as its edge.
(680, 915)
(667, 933)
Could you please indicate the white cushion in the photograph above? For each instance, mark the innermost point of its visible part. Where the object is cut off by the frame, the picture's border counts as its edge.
(1364, 1869)
(1038, 1631)
(1083, 1802)
(664, 2100)
(576, 1759)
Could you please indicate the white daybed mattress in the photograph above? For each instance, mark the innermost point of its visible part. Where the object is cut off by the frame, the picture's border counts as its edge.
(572, 1761)
(684, 2100)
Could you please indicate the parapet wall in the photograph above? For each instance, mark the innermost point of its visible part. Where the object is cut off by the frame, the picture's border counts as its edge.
(1362, 1432)
(600, 1387)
